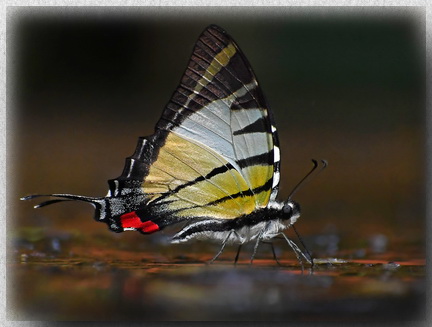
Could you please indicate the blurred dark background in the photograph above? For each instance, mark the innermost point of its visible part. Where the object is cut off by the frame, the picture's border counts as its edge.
(345, 85)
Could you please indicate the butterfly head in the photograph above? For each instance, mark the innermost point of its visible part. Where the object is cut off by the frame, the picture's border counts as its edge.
(291, 211)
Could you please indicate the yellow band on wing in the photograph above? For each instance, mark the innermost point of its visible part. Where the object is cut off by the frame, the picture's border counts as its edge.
(220, 60)
(195, 181)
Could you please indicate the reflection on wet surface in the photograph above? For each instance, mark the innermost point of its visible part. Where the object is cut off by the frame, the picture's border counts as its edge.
(109, 284)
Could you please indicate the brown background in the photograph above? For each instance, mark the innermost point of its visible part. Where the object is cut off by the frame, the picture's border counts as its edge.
(344, 85)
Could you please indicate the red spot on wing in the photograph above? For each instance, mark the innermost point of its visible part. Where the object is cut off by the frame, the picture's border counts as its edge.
(149, 227)
(131, 220)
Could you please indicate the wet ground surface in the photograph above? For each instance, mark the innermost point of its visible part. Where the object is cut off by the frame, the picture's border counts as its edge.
(350, 91)
(107, 284)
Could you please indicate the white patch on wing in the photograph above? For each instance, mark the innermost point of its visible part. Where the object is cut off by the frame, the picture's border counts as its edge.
(208, 130)
(251, 144)
(214, 125)
(240, 118)
(276, 153)
(276, 173)
(276, 179)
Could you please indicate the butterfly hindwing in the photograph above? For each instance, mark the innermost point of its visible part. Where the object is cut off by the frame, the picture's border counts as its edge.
(215, 151)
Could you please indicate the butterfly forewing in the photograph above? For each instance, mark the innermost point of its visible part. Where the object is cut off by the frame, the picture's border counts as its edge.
(213, 151)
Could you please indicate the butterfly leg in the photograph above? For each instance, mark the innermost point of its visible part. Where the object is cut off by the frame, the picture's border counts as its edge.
(238, 253)
(296, 250)
(255, 250)
(311, 260)
(257, 243)
(222, 248)
(274, 253)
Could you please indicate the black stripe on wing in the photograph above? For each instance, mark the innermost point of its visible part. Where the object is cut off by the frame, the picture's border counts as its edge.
(256, 190)
(240, 70)
(209, 78)
(259, 159)
(137, 165)
(258, 126)
(204, 81)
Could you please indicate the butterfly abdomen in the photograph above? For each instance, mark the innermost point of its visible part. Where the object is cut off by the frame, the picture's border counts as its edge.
(264, 223)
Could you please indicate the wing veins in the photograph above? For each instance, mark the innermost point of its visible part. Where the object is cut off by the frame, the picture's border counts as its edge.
(195, 122)
(238, 51)
(199, 173)
(234, 94)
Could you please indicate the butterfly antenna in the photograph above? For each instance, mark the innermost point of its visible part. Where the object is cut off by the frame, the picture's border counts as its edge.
(315, 166)
(61, 198)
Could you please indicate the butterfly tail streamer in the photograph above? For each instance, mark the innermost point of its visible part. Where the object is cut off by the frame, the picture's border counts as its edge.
(97, 202)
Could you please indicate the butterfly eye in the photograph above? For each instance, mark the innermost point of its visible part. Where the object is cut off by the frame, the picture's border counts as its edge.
(287, 209)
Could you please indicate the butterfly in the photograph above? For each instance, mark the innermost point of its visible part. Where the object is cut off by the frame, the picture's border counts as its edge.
(213, 161)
